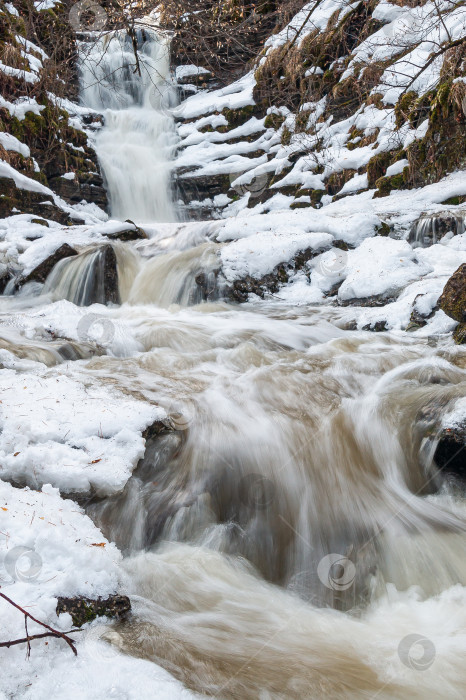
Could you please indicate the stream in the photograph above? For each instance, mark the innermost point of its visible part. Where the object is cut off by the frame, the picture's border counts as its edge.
(291, 536)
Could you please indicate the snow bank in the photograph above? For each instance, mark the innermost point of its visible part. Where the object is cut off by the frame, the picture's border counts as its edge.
(78, 435)
(380, 266)
(50, 548)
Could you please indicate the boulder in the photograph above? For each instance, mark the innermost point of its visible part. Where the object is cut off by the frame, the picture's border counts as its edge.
(14, 200)
(132, 233)
(450, 454)
(84, 610)
(453, 298)
(42, 271)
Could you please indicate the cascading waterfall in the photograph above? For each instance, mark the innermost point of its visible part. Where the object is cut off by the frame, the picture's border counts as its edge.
(430, 228)
(287, 527)
(99, 275)
(136, 144)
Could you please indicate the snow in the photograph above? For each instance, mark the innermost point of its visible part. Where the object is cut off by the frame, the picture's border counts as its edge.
(20, 73)
(357, 183)
(396, 167)
(11, 143)
(234, 96)
(380, 266)
(457, 417)
(46, 4)
(50, 548)
(21, 107)
(309, 19)
(78, 436)
(22, 181)
(258, 254)
(11, 9)
(188, 71)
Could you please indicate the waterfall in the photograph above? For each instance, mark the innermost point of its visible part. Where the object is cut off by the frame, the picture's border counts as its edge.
(99, 275)
(136, 144)
(430, 228)
(181, 277)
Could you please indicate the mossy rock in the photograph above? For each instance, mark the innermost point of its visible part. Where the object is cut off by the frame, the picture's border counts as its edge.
(383, 230)
(377, 166)
(300, 205)
(453, 298)
(238, 117)
(443, 149)
(286, 136)
(274, 121)
(396, 182)
(316, 196)
(84, 610)
(337, 180)
(403, 107)
(460, 199)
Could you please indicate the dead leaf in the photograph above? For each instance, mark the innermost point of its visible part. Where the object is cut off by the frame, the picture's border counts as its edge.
(16, 454)
(98, 544)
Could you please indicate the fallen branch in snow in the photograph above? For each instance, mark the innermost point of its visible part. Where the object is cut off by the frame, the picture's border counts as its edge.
(26, 640)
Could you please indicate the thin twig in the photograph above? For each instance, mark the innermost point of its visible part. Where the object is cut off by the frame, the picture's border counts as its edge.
(55, 633)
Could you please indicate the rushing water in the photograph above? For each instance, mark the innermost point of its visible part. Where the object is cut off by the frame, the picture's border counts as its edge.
(136, 144)
(289, 535)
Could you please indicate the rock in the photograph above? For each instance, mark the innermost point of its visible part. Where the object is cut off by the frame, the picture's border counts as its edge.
(201, 78)
(110, 274)
(376, 327)
(240, 289)
(15, 200)
(418, 319)
(459, 334)
(453, 298)
(87, 186)
(450, 455)
(128, 234)
(156, 429)
(189, 187)
(84, 610)
(100, 283)
(42, 271)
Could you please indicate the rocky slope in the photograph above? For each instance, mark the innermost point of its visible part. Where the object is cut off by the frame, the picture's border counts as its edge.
(47, 163)
(345, 108)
